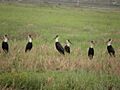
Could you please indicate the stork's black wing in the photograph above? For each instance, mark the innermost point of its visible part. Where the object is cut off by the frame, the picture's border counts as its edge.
(90, 53)
(28, 47)
(67, 49)
(111, 50)
(5, 46)
(59, 47)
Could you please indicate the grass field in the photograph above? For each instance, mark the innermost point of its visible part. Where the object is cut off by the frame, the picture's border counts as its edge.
(44, 68)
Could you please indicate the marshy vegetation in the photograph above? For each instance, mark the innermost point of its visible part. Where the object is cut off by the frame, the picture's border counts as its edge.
(43, 68)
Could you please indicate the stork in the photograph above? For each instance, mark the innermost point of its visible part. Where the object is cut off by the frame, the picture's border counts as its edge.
(91, 50)
(5, 45)
(67, 46)
(58, 46)
(29, 44)
(110, 48)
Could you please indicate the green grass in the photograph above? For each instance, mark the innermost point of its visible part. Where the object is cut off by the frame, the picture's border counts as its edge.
(44, 68)
(59, 81)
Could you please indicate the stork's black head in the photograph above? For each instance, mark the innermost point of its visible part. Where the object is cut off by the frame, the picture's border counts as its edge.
(69, 41)
(29, 35)
(93, 42)
(110, 39)
(5, 35)
(56, 36)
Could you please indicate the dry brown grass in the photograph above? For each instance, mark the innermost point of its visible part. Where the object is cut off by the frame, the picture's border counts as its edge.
(43, 58)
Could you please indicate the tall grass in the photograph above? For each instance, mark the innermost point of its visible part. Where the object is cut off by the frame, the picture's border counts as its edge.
(44, 68)
(77, 80)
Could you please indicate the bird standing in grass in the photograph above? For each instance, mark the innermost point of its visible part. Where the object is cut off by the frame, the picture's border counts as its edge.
(58, 46)
(110, 48)
(67, 46)
(5, 45)
(91, 50)
(29, 44)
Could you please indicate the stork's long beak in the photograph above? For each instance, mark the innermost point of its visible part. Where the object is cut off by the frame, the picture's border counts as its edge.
(55, 37)
(93, 42)
(5, 36)
(69, 41)
(108, 41)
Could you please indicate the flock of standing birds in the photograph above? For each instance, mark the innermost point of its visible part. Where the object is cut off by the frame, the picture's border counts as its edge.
(59, 47)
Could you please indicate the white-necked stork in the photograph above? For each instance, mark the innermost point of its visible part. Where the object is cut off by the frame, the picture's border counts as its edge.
(5, 45)
(91, 50)
(29, 44)
(58, 46)
(67, 46)
(110, 48)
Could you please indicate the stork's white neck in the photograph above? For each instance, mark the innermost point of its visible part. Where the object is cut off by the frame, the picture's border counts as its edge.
(56, 40)
(67, 42)
(5, 39)
(91, 45)
(109, 43)
(29, 39)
